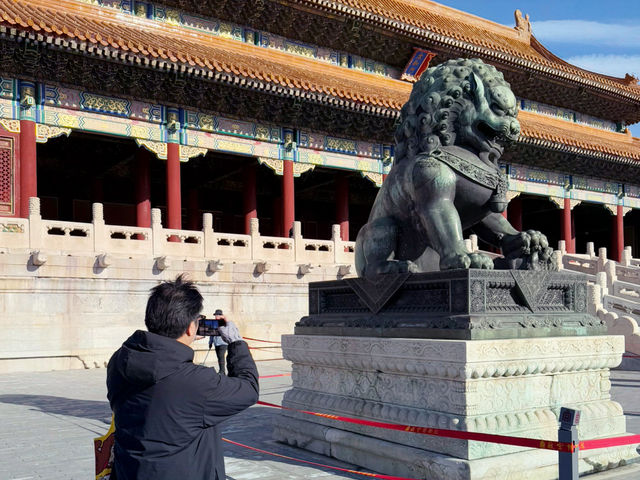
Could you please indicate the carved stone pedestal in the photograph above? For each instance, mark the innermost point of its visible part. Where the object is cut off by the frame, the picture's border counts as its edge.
(493, 352)
(507, 387)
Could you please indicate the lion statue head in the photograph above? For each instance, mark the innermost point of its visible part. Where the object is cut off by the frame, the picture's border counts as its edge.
(462, 102)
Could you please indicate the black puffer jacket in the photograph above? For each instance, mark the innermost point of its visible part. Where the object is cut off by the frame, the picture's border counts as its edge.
(167, 410)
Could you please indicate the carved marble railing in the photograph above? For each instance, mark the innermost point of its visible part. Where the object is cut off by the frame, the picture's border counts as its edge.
(614, 290)
(578, 263)
(38, 235)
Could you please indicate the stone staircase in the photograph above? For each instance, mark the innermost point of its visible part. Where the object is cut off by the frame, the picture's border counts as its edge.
(613, 289)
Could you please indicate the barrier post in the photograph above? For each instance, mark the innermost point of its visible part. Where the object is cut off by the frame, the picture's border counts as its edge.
(568, 432)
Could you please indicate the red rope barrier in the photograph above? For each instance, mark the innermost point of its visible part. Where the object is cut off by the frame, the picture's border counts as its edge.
(273, 376)
(609, 442)
(258, 340)
(480, 437)
(366, 474)
(630, 356)
(268, 359)
(441, 432)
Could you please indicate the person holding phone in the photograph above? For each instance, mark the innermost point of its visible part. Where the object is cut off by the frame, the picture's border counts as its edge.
(168, 410)
(220, 345)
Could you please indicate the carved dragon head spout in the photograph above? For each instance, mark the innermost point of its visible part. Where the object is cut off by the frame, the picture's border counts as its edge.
(462, 102)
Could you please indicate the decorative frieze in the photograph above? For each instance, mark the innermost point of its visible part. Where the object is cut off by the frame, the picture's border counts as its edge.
(187, 152)
(568, 115)
(158, 148)
(45, 132)
(239, 33)
(12, 126)
(469, 360)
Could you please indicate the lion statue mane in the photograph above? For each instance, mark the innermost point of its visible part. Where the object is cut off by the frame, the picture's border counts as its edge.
(445, 178)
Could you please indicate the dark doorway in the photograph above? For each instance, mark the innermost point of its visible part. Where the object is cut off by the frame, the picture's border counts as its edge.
(592, 223)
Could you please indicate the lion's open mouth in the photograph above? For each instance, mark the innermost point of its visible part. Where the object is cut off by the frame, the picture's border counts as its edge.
(491, 141)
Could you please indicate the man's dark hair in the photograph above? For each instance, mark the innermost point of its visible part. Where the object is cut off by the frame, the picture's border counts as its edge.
(172, 306)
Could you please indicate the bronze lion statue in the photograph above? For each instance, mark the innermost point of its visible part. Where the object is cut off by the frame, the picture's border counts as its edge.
(445, 178)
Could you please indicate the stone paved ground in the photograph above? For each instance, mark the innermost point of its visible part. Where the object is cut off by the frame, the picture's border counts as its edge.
(48, 421)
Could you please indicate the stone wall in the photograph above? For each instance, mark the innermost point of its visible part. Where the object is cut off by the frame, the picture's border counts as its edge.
(66, 316)
(70, 293)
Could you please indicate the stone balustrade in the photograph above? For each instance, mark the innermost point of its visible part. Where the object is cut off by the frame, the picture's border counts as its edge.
(614, 290)
(88, 283)
(97, 238)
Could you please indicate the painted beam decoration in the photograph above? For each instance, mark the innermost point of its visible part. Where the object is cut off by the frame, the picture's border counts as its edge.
(58, 111)
(417, 65)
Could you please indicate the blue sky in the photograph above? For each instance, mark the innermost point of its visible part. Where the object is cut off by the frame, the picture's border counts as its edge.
(601, 36)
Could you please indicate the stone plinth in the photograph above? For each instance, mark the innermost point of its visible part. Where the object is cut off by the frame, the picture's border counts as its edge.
(509, 387)
(457, 304)
(495, 352)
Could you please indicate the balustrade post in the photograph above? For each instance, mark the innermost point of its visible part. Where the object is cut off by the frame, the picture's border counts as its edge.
(474, 242)
(100, 233)
(338, 246)
(157, 233)
(256, 242)
(594, 298)
(591, 251)
(298, 242)
(210, 244)
(602, 259)
(36, 233)
(625, 257)
(610, 270)
(559, 259)
(601, 281)
(562, 246)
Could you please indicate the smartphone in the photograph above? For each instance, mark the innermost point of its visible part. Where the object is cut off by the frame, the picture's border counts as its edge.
(209, 327)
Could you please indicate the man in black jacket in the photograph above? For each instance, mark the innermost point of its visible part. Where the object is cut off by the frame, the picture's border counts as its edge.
(168, 410)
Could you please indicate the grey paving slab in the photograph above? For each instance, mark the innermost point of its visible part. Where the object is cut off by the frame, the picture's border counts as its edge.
(48, 421)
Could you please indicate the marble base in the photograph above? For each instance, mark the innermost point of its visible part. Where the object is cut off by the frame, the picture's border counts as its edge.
(509, 387)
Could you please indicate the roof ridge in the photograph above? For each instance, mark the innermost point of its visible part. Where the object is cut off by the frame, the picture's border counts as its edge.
(510, 31)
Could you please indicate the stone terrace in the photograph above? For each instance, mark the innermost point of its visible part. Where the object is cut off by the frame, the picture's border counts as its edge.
(50, 418)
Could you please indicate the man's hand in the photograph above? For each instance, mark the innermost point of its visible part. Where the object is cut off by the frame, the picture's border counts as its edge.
(229, 332)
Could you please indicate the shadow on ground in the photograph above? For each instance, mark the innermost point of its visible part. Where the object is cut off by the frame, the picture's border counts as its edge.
(90, 409)
(252, 427)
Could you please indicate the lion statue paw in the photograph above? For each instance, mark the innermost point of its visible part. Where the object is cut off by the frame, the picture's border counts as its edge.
(527, 251)
(465, 260)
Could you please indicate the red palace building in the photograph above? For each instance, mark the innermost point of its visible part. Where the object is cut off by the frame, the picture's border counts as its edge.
(285, 110)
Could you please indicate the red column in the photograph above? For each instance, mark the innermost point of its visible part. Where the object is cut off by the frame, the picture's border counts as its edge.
(174, 206)
(288, 200)
(515, 213)
(249, 202)
(619, 234)
(567, 234)
(342, 205)
(143, 188)
(193, 210)
(28, 165)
